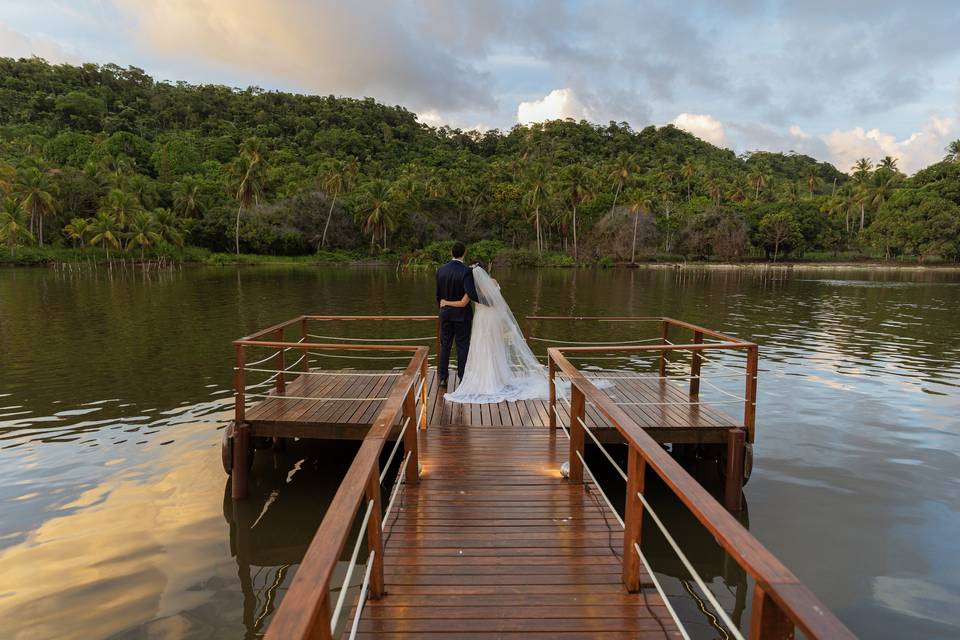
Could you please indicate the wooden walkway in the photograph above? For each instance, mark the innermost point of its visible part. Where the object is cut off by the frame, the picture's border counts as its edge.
(493, 543)
(665, 411)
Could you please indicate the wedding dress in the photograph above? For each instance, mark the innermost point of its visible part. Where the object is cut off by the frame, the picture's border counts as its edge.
(500, 365)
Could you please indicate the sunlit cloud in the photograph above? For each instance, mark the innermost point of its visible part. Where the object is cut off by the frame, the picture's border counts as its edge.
(702, 125)
(556, 105)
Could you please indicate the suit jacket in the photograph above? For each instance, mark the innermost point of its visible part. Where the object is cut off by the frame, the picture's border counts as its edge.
(453, 280)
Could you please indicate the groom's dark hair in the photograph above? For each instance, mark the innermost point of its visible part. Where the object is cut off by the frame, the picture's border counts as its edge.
(457, 250)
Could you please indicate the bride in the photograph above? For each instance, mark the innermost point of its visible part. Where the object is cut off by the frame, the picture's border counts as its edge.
(500, 365)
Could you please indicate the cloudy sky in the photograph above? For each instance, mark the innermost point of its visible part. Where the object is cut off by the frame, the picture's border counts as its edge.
(836, 80)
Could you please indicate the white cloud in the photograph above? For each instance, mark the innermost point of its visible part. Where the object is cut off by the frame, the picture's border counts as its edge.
(703, 126)
(14, 44)
(797, 132)
(556, 105)
(918, 150)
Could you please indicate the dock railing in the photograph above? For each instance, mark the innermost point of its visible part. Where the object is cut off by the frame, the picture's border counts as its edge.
(780, 602)
(702, 342)
(305, 610)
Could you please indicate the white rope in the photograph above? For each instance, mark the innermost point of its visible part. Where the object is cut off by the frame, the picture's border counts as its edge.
(725, 392)
(681, 404)
(313, 335)
(353, 563)
(363, 594)
(603, 449)
(396, 488)
(732, 628)
(330, 355)
(602, 494)
(331, 373)
(295, 363)
(663, 595)
(285, 397)
(386, 467)
(621, 342)
(270, 357)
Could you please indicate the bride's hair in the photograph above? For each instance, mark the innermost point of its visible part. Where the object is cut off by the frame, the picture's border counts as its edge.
(480, 264)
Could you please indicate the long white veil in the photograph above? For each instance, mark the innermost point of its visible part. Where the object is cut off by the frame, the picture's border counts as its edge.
(519, 356)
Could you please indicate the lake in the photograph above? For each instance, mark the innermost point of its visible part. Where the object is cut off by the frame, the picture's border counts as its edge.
(115, 521)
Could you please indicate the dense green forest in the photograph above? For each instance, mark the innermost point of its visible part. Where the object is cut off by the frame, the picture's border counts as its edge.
(106, 160)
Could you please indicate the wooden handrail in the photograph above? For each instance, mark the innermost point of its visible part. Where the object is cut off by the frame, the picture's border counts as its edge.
(779, 592)
(304, 612)
(671, 321)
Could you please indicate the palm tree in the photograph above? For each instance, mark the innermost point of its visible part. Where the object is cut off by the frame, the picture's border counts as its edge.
(536, 193)
(953, 151)
(687, 170)
(577, 187)
(249, 173)
(884, 184)
(812, 180)
(105, 232)
(187, 200)
(889, 163)
(375, 211)
(13, 225)
(861, 168)
(623, 165)
(861, 173)
(759, 178)
(121, 205)
(337, 177)
(640, 202)
(35, 190)
(143, 232)
(8, 176)
(170, 227)
(76, 231)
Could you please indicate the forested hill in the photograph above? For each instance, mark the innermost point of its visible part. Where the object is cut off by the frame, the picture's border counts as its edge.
(107, 156)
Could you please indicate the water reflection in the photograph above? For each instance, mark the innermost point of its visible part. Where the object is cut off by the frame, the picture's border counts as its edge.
(113, 387)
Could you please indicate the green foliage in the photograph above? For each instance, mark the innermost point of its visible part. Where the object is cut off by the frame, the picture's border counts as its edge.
(100, 151)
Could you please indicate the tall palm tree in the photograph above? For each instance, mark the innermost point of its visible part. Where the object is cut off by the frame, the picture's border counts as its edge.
(687, 170)
(121, 205)
(759, 178)
(889, 163)
(861, 174)
(249, 174)
(621, 169)
(8, 176)
(640, 202)
(13, 224)
(35, 191)
(335, 179)
(861, 168)
(376, 210)
(884, 184)
(143, 232)
(76, 231)
(812, 180)
(105, 232)
(577, 187)
(537, 191)
(171, 227)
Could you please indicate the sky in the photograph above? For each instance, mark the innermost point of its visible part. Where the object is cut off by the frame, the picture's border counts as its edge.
(834, 80)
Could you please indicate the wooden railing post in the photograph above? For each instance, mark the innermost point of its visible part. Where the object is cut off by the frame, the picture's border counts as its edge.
(750, 392)
(281, 366)
(424, 378)
(239, 385)
(577, 435)
(375, 533)
(633, 519)
(733, 490)
(410, 436)
(303, 335)
(552, 372)
(695, 367)
(241, 432)
(767, 620)
(664, 334)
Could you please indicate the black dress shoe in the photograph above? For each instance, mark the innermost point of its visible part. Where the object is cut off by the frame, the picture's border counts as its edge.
(443, 383)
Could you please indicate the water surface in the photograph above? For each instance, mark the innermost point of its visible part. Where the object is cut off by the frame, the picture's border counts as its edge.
(114, 521)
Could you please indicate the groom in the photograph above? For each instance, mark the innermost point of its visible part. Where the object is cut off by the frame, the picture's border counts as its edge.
(454, 279)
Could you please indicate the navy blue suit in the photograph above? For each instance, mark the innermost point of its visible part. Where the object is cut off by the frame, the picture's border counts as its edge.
(455, 279)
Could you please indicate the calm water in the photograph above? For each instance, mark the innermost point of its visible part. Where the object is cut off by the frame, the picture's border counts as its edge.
(113, 517)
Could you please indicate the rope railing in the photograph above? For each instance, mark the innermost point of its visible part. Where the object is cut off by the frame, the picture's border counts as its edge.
(390, 340)
(335, 616)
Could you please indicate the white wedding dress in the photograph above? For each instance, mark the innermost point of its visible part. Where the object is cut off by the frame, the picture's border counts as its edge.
(500, 365)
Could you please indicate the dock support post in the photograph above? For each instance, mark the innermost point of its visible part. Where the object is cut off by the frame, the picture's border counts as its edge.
(633, 520)
(239, 475)
(552, 372)
(410, 437)
(664, 334)
(303, 336)
(425, 380)
(733, 490)
(281, 366)
(767, 620)
(750, 392)
(577, 413)
(695, 363)
(375, 533)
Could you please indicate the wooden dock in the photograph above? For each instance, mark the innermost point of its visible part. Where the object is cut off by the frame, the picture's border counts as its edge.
(481, 535)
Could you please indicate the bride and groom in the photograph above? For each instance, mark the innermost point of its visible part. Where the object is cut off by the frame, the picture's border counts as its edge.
(494, 363)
